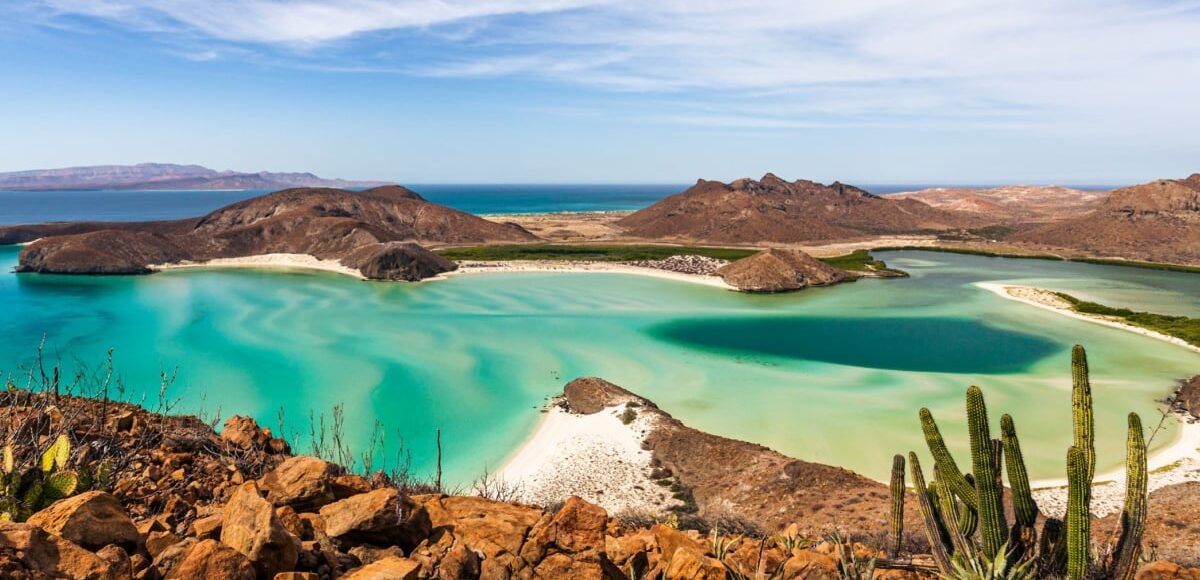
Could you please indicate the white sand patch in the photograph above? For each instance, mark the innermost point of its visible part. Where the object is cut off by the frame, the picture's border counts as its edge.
(596, 457)
(268, 261)
(572, 266)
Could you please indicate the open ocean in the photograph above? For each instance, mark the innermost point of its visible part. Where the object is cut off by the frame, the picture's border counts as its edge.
(25, 207)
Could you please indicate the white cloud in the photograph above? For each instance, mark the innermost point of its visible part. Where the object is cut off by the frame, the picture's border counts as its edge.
(784, 62)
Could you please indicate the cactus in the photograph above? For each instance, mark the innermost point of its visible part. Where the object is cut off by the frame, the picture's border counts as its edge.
(897, 489)
(968, 518)
(1081, 410)
(1133, 517)
(933, 526)
(1025, 509)
(955, 478)
(950, 520)
(24, 492)
(1078, 514)
(993, 527)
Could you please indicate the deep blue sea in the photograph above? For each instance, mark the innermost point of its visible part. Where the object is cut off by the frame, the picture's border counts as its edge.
(23, 207)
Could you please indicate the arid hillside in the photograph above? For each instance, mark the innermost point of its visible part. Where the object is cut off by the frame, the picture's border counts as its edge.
(1011, 203)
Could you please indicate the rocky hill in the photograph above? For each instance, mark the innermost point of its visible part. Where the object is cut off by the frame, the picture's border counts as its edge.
(773, 210)
(775, 270)
(1157, 221)
(1011, 203)
(361, 229)
(167, 176)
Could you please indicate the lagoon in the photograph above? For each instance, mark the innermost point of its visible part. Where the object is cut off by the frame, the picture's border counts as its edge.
(834, 375)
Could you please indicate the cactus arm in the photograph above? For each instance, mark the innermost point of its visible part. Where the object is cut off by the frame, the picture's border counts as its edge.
(1133, 518)
(1078, 515)
(1024, 508)
(1081, 410)
(993, 527)
(897, 488)
(955, 478)
(933, 530)
(949, 509)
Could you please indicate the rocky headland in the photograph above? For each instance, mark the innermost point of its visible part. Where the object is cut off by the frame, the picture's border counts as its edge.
(164, 176)
(776, 270)
(379, 232)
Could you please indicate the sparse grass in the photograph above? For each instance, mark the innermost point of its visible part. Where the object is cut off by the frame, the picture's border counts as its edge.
(589, 252)
(1182, 327)
(628, 416)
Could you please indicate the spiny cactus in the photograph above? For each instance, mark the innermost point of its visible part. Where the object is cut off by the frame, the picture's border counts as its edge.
(897, 489)
(1081, 410)
(1133, 518)
(955, 478)
(1078, 515)
(955, 500)
(24, 492)
(993, 528)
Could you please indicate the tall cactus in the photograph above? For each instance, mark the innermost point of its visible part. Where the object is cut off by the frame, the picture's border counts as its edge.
(968, 518)
(929, 515)
(897, 489)
(993, 527)
(1078, 514)
(1025, 509)
(955, 478)
(1081, 410)
(950, 521)
(1133, 518)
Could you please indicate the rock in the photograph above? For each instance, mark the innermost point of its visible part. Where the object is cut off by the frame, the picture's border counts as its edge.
(100, 252)
(691, 564)
(212, 559)
(118, 559)
(670, 539)
(371, 554)
(244, 432)
(1187, 399)
(496, 530)
(386, 569)
(372, 517)
(249, 526)
(207, 528)
(810, 564)
(91, 519)
(776, 270)
(52, 555)
(166, 560)
(157, 542)
(397, 261)
(302, 482)
(1163, 570)
(297, 576)
(349, 484)
(577, 530)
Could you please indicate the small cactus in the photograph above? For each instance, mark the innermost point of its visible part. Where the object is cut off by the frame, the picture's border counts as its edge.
(897, 490)
(933, 526)
(1081, 410)
(1078, 515)
(1133, 518)
(993, 527)
(23, 492)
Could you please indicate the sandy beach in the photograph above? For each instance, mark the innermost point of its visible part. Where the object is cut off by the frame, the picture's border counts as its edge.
(268, 261)
(497, 267)
(596, 456)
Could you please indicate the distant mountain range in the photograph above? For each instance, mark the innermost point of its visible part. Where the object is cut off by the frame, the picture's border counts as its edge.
(162, 176)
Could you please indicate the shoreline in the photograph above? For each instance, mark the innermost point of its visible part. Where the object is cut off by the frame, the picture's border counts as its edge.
(267, 262)
(467, 268)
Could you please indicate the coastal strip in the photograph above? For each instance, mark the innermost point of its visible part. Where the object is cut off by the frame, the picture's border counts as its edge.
(267, 261)
(565, 266)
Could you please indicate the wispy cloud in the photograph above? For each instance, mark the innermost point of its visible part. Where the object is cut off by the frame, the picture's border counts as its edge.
(785, 63)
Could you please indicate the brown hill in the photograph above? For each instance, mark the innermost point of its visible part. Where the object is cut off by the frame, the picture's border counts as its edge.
(1011, 203)
(330, 224)
(775, 270)
(774, 210)
(1158, 221)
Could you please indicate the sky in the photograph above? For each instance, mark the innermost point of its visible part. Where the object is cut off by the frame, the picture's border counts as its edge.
(609, 91)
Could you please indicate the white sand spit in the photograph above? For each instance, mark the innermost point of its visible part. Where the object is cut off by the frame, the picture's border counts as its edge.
(268, 261)
(574, 266)
(596, 457)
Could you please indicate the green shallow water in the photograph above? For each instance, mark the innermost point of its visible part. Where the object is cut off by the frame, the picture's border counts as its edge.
(833, 375)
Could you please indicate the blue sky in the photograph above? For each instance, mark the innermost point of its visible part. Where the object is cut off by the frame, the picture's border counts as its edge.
(419, 91)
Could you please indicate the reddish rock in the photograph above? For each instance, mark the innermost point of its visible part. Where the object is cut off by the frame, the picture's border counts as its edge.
(297, 576)
(212, 559)
(118, 559)
(302, 482)
(386, 569)
(249, 526)
(576, 531)
(207, 528)
(691, 564)
(494, 529)
(810, 564)
(378, 516)
(39, 550)
(370, 554)
(91, 519)
(776, 270)
(1163, 570)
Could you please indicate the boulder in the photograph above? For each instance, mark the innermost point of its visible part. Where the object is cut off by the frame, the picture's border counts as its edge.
(302, 482)
(380, 516)
(371, 554)
(386, 569)
(776, 270)
(91, 519)
(810, 564)
(496, 530)
(576, 529)
(249, 525)
(691, 564)
(118, 558)
(397, 261)
(670, 539)
(38, 550)
(297, 576)
(1163, 570)
(212, 559)
(166, 560)
(244, 433)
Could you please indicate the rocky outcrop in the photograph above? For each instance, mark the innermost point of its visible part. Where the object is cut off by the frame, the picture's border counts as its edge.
(1157, 221)
(776, 270)
(92, 519)
(30, 551)
(249, 525)
(771, 210)
(1012, 203)
(376, 231)
(1187, 398)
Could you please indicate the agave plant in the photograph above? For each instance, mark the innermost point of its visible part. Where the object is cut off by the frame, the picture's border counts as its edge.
(24, 492)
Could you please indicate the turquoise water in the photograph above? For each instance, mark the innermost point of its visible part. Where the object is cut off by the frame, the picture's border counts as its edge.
(832, 375)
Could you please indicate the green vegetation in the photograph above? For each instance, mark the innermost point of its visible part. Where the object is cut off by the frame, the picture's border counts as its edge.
(951, 503)
(30, 490)
(1138, 264)
(860, 261)
(598, 252)
(628, 416)
(1100, 261)
(1182, 327)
